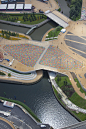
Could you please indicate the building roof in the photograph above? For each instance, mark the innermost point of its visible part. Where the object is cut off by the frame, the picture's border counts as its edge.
(27, 6)
(11, 6)
(3, 6)
(19, 6)
(8, 104)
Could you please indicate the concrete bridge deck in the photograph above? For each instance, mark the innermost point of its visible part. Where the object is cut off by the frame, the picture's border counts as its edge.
(59, 18)
(62, 16)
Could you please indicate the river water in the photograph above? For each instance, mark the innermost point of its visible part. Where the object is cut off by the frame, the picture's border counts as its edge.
(40, 98)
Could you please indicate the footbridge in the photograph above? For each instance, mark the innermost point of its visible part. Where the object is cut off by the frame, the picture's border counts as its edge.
(80, 125)
(31, 29)
(59, 18)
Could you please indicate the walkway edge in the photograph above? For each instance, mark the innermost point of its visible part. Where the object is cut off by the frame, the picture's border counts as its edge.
(66, 101)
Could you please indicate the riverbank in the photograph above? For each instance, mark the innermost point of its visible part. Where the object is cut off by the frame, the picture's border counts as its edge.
(44, 37)
(17, 35)
(24, 25)
(23, 106)
(62, 104)
(69, 103)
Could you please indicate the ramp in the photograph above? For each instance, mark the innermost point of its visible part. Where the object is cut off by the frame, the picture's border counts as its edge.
(31, 29)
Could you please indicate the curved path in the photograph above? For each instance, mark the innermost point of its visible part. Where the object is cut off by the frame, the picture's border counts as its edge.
(5, 124)
(20, 76)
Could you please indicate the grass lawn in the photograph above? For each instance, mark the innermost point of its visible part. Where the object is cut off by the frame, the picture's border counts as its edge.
(55, 32)
(29, 19)
(60, 80)
(76, 99)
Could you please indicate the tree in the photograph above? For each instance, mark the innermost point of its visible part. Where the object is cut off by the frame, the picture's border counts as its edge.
(9, 74)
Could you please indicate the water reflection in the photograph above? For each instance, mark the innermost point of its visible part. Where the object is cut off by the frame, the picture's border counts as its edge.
(40, 98)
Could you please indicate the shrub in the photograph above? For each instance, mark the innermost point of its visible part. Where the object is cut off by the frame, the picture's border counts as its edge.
(1, 73)
(59, 9)
(9, 74)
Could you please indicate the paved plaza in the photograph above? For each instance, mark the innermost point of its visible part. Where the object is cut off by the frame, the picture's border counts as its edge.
(25, 53)
(55, 57)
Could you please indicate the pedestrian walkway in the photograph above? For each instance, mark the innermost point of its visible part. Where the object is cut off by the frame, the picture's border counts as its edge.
(30, 76)
(64, 98)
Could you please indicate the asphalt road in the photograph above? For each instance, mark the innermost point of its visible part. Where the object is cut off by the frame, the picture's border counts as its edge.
(4, 125)
(75, 38)
(78, 46)
(80, 53)
(20, 119)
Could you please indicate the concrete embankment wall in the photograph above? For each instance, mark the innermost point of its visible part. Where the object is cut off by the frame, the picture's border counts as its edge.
(24, 25)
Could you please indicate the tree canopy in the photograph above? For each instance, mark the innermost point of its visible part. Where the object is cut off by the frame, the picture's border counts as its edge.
(75, 9)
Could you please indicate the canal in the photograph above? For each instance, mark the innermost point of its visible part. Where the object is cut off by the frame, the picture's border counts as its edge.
(40, 98)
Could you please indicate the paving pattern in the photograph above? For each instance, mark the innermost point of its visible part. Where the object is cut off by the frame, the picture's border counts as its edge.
(83, 14)
(25, 53)
(56, 58)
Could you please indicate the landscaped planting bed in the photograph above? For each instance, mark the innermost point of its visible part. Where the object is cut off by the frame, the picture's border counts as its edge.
(25, 18)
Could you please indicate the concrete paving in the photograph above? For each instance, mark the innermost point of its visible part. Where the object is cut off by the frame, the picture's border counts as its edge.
(57, 19)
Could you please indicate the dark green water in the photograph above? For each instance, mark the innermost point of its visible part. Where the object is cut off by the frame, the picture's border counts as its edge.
(38, 33)
(40, 98)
